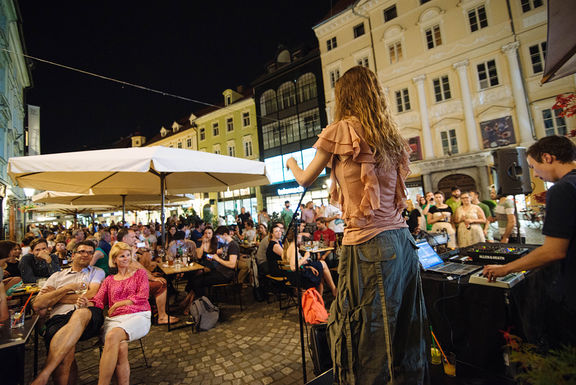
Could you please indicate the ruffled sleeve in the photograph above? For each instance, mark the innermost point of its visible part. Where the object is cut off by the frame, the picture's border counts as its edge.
(341, 138)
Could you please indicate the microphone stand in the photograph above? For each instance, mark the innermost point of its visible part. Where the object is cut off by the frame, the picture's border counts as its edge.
(298, 281)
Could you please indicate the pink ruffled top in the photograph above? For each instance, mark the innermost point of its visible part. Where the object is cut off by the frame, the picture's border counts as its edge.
(135, 288)
(371, 198)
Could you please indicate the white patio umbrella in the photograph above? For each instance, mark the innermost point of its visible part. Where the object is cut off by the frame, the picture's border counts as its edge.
(145, 170)
(126, 202)
(69, 209)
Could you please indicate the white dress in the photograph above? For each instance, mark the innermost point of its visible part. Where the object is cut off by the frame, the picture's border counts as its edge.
(472, 234)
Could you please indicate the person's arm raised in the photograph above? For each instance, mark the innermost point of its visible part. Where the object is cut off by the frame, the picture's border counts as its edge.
(306, 177)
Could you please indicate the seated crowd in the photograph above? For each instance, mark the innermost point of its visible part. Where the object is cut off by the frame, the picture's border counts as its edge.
(101, 282)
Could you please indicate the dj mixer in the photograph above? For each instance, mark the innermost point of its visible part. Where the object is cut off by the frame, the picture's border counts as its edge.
(499, 253)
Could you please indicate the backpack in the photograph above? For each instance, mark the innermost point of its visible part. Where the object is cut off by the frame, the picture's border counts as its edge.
(204, 313)
(313, 307)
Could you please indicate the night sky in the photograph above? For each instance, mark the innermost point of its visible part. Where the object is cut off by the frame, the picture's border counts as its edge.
(189, 48)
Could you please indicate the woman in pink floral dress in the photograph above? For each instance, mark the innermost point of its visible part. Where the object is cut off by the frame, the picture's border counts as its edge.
(126, 294)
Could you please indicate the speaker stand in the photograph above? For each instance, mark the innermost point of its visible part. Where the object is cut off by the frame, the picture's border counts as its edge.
(518, 236)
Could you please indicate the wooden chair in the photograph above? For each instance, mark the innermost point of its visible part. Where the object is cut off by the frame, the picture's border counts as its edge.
(233, 284)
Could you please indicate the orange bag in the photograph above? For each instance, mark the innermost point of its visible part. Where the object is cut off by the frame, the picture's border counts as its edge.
(313, 307)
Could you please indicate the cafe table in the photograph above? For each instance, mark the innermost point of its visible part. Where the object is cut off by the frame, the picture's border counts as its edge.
(12, 350)
(170, 271)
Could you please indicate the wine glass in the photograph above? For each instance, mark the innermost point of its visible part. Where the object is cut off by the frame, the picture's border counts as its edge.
(83, 289)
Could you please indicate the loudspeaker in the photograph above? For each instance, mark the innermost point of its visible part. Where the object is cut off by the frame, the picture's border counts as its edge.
(513, 171)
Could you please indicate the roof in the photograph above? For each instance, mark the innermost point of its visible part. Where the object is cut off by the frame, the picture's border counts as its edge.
(337, 9)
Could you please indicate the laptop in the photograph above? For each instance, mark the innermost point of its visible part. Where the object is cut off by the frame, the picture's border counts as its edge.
(431, 261)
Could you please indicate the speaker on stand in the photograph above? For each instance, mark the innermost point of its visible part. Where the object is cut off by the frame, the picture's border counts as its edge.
(513, 175)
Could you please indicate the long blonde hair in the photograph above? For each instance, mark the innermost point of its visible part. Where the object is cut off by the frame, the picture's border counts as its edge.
(358, 93)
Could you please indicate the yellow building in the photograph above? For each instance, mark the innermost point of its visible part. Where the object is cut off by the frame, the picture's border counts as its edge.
(182, 134)
(462, 77)
(231, 130)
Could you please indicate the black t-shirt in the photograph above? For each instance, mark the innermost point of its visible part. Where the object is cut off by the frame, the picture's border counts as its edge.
(435, 209)
(412, 221)
(272, 258)
(229, 249)
(12, 268)
(243, 218)
(560, 222)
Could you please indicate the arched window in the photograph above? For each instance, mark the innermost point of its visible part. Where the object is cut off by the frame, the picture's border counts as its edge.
(306, 87)
(268, 103)
(286, 95)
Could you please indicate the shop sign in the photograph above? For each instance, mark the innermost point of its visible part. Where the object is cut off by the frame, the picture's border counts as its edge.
(290, 190)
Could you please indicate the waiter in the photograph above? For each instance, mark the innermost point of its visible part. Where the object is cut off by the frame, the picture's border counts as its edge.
(553, 159)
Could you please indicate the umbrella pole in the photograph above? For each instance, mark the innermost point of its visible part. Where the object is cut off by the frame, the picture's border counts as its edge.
(162, 217)
(123, 210)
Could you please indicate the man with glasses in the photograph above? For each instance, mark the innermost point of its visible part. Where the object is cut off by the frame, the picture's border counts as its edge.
(66, 324)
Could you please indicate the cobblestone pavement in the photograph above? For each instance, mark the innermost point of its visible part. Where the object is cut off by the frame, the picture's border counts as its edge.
(260, 345)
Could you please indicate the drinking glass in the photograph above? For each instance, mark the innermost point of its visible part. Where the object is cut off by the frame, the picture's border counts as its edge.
(450, 364)
(16, 318)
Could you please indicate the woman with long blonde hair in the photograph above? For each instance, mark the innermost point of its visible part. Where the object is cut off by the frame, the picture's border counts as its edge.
(376, 326)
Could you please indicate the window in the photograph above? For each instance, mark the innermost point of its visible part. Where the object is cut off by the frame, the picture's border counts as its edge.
(528, 5)
(246, 119)
(268, 103)
(477, 18)
(231, 149)
(189, 143)
(228, 100)
(306, 87)
(423, 1)
(537, 55)
(433, 37)
(334, 75)
(395, 51)
(359, 30)
(270, 137)
(487, 74)
(309, 124)
(289, 130)
(202, 133)
(331, 43)
(247, 146)
(229, 124)
(554, 124)
(390, 13)
(286, 95)
(363, 61)
(179, 144)
(215, 129)
(441, 88)
(449, 142)
(216, 149)
(403, 100)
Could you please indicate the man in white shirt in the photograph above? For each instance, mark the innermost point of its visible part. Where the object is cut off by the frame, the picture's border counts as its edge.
(334, 221)
(66, 324)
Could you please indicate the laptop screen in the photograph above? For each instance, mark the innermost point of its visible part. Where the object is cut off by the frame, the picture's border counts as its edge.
(427, 256)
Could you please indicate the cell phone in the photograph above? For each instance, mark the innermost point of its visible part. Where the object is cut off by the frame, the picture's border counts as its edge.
(209, 256)
(141, 244)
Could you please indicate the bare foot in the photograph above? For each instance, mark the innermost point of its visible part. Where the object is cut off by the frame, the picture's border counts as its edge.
(42, 379)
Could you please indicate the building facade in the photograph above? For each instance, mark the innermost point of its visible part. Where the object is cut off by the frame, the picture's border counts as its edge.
(289, 101)
(231, 130)
(462, 78)
(14, 79)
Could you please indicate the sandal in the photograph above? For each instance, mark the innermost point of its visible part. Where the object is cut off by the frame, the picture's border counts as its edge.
(173, 320)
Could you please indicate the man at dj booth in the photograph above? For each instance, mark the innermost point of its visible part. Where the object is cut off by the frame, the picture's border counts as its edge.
(553, 159)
